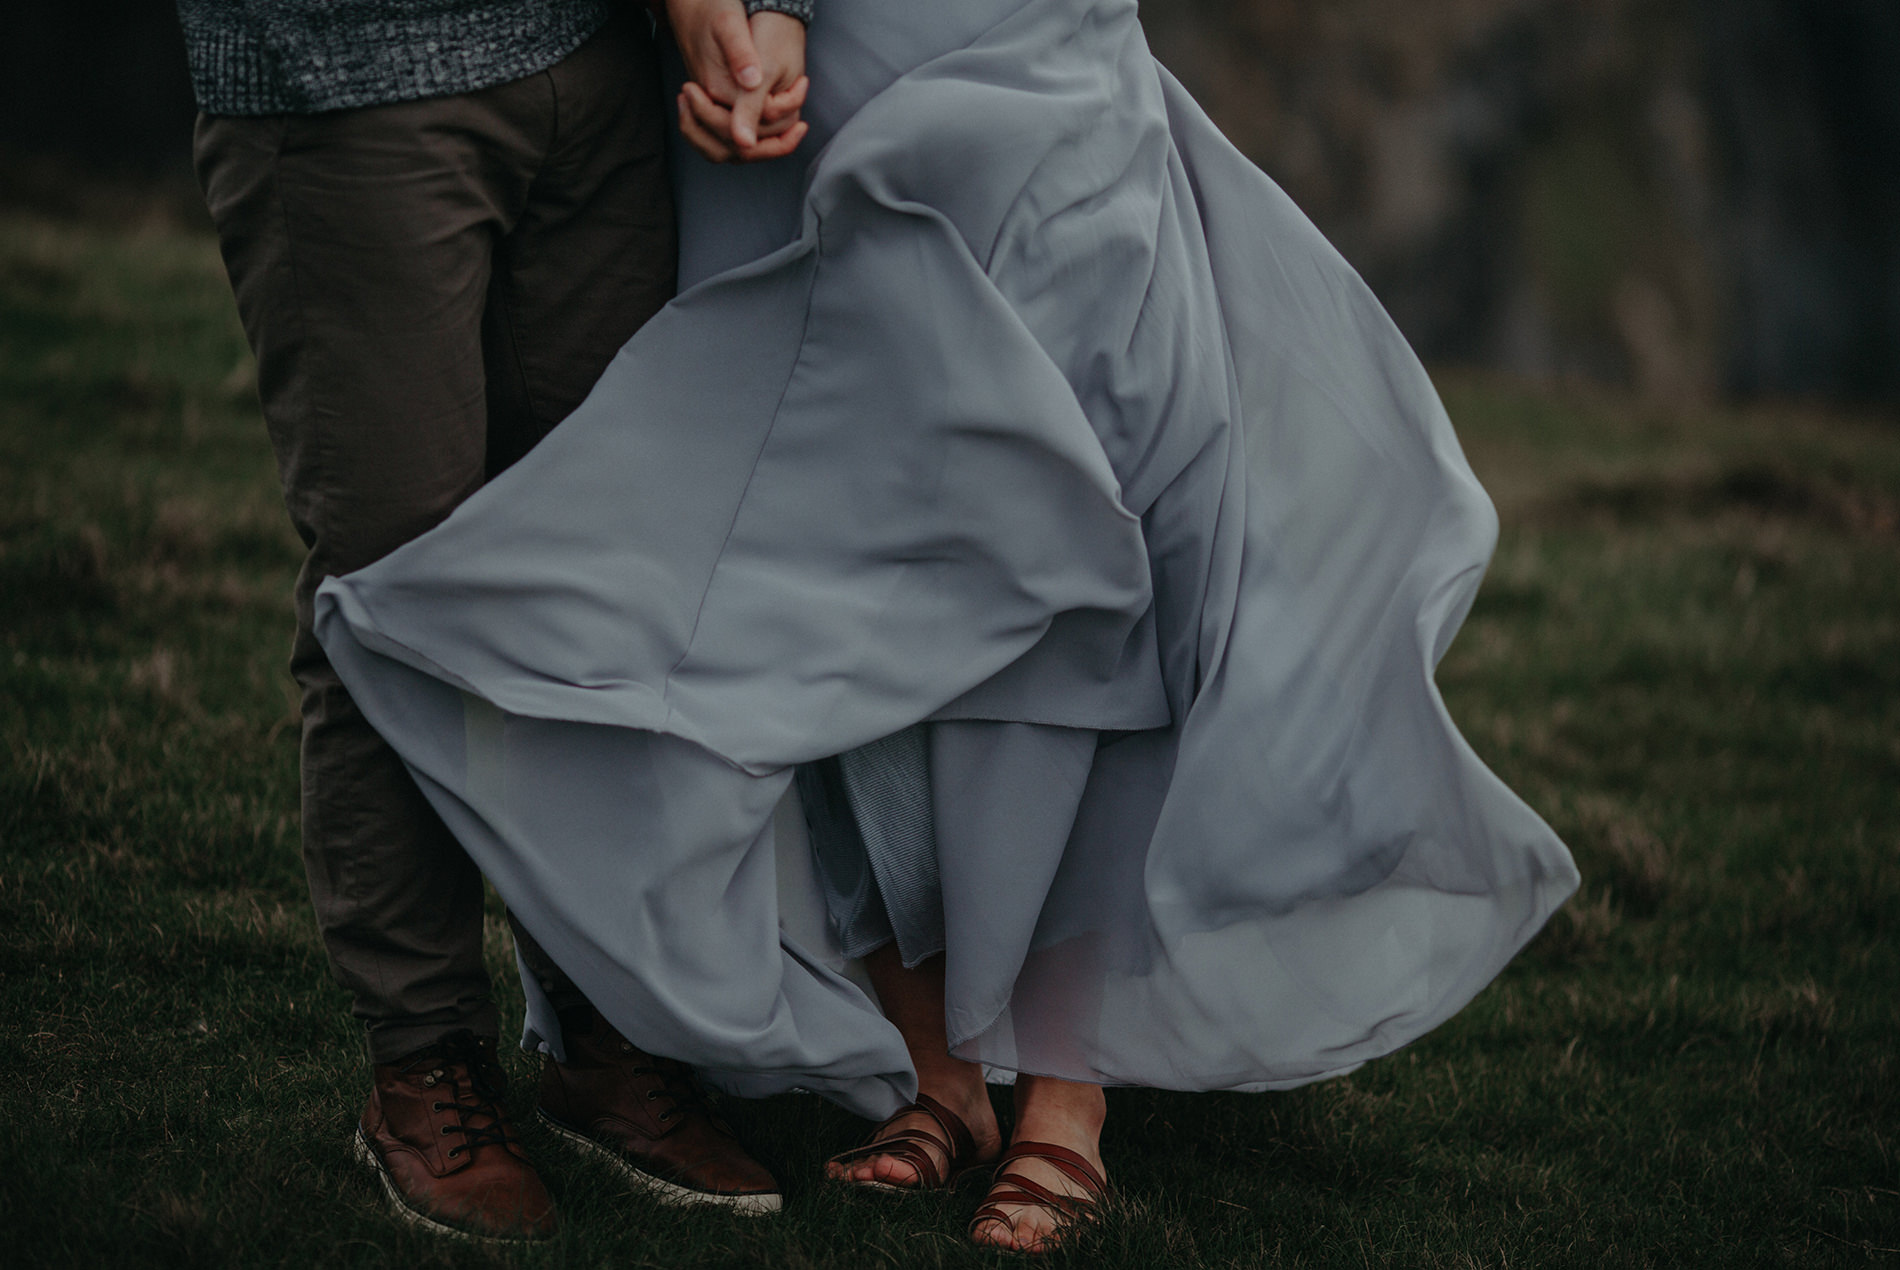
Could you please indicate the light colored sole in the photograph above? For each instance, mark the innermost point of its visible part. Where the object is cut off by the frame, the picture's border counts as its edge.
(876, 1187)
(757, 1204)
(421, 1221)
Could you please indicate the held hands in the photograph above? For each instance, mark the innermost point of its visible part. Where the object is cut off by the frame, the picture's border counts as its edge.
(747, 81)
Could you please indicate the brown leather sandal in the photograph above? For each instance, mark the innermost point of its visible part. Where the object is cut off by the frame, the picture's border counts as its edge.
(915, 1146)
(1013, 1188)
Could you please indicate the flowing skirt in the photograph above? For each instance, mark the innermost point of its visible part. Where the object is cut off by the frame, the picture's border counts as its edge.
(1025, 408)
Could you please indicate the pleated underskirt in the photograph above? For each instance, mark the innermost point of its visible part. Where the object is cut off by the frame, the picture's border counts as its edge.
(874, 848)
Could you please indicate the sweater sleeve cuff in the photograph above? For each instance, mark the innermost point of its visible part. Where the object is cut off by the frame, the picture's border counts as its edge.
(800, 9)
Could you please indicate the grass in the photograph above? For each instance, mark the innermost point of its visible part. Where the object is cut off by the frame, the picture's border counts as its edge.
(1687, 655)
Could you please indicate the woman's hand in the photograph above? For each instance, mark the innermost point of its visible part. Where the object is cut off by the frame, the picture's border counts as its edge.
(747, 82)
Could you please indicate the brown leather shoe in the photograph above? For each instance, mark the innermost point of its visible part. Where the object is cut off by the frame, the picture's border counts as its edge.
(646, 1116)
(437, 1134)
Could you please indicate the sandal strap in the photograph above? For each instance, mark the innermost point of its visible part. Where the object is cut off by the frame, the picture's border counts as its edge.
(1067, 1162)
(1020, 1190)
(1014, 1188)
(911, 1147)
(962, 1143)
(1070, 1215)
(914, 1146)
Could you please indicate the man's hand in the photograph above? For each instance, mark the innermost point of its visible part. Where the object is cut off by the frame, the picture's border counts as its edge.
(747, 80)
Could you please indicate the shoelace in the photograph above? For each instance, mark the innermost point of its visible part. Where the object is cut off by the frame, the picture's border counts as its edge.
(483, 1097)
(676, 1083)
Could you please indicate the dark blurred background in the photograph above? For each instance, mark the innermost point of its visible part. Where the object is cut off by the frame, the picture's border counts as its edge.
(1693, 198)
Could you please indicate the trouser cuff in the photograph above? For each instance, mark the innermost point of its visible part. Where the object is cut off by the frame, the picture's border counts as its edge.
(393, 1040)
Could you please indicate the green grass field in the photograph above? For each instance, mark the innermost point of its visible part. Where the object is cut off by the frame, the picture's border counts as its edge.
(1687, 656)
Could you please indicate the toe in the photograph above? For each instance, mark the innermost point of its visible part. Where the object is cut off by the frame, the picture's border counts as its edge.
(877, 1168)
(1031, 1228)
(993, 1232)
(1019, 1229)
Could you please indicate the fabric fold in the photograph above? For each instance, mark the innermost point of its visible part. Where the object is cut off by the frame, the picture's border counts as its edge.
(1024, 405)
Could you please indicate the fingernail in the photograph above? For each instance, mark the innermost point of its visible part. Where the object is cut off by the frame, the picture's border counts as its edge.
(751, 77)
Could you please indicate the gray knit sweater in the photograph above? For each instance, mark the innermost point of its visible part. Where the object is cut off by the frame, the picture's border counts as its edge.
(266, 57)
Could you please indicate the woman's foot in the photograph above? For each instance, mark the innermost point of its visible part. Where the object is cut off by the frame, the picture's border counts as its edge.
(966, 1099)
(1063, 1114)
(912, 999)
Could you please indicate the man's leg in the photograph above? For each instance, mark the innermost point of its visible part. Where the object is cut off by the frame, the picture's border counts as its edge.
(359, 246)
(593, 254)
(591, 259)
(361, 269)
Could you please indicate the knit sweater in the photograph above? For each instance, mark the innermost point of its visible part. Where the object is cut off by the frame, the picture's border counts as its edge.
(266, 57)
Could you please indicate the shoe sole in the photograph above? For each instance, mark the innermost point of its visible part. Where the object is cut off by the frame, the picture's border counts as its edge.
(754, 1204)
(365, 1153)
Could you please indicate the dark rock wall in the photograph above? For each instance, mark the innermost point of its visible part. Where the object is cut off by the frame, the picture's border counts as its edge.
(100, 81)
(1804, 101)
(1688, 196)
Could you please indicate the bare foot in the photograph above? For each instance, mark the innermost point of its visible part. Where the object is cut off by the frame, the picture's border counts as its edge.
(965, 1095)
(913, 1000)
(1063, 1113)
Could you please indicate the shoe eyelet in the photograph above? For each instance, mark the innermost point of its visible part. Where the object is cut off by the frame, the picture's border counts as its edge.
(454, 1151)
(652, 1094)
(437, 1106)
(428, 1082)
(447, 1129)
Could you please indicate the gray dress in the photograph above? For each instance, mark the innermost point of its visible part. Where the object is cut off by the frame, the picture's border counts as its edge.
(1024, 408)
